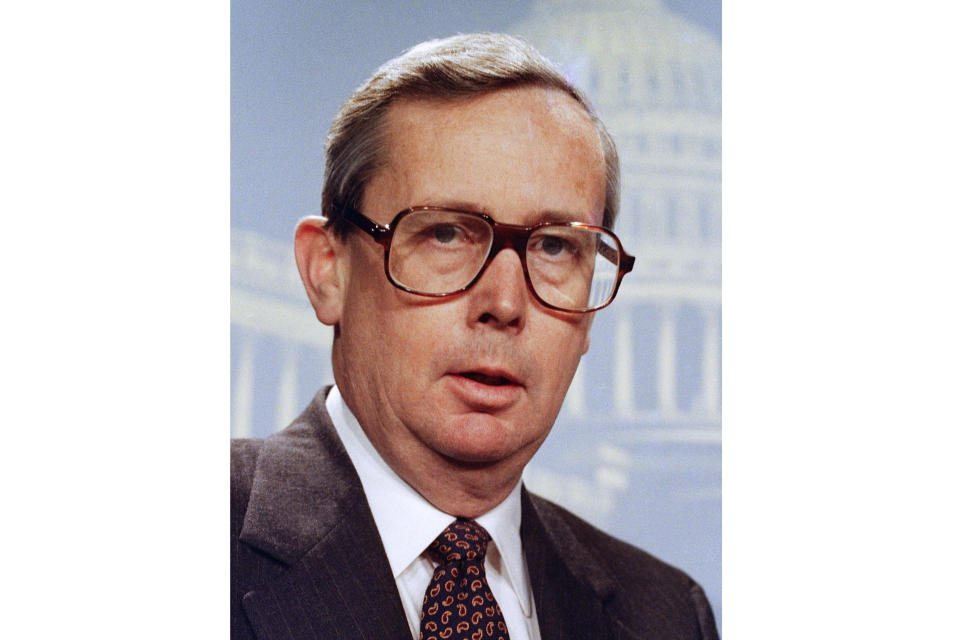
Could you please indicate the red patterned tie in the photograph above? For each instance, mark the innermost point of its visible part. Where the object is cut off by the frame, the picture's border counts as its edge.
(458, 604)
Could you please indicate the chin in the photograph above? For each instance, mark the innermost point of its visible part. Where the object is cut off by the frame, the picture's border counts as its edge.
(481, 440)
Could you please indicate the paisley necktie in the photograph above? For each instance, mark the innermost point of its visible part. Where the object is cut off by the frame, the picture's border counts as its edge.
(458, 604)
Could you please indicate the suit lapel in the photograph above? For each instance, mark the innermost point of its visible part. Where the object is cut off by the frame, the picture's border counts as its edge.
(574, 598)
(332, 580)
(308, 511)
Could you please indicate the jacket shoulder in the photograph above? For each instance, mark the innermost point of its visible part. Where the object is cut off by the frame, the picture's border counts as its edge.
(644, 587)
(613, 551)
(246, 565)
(243, 462)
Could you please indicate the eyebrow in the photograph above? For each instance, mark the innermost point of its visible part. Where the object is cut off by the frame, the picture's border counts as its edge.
(564, 216)
(548, 215)
(460, 205)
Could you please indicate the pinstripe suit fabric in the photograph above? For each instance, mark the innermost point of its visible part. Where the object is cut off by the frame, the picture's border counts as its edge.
(307, 561)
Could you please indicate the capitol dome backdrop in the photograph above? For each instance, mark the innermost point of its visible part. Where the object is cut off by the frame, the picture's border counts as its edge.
(636, 449)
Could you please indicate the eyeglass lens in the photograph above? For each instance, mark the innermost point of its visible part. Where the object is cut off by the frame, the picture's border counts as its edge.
(439, 252)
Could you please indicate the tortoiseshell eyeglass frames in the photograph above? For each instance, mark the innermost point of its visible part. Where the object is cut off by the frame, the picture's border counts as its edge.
(436, 252)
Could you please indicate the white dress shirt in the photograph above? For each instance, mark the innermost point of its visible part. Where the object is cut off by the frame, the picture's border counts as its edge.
(408, 524)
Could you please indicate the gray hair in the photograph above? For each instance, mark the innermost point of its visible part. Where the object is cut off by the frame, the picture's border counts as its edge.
(456, 67)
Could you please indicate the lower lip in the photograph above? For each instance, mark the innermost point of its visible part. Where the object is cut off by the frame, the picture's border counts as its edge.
(484, 397)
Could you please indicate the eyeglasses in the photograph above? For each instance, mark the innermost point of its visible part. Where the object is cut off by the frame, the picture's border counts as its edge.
(436, 252)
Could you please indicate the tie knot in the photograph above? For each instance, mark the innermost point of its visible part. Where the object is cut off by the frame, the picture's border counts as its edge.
(463, 540)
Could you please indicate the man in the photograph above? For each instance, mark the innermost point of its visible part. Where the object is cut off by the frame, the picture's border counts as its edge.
(464, 248)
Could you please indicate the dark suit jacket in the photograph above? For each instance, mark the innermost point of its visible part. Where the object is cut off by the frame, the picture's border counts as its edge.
(307, 560)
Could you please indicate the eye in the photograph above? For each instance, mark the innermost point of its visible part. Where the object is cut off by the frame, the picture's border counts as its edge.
(445, 233)
(553, 246)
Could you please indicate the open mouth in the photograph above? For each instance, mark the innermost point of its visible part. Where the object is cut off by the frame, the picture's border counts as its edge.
(492, 380)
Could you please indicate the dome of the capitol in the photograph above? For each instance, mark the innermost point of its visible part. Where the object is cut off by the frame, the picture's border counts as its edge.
(632, 53)
(654, 78)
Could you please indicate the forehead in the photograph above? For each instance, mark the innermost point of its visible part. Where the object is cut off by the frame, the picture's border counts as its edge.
(524, 151)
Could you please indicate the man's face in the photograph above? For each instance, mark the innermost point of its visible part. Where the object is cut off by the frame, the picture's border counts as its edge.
(477, 377)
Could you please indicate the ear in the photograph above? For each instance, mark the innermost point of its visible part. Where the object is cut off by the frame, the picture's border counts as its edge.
(586, 338)
(319, 255)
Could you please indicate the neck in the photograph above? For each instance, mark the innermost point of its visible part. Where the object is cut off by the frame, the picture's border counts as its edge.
(461, 489)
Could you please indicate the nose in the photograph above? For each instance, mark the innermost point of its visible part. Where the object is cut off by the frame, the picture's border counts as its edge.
(499, 299)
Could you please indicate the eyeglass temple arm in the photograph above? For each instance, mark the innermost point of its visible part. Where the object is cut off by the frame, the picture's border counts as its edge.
(613, 255)
(364, 223)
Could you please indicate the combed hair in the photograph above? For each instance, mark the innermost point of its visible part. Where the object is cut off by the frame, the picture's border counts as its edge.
(456, 67)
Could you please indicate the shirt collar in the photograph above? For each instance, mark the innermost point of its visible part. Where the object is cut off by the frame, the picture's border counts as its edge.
(408, 523)
(503, 524)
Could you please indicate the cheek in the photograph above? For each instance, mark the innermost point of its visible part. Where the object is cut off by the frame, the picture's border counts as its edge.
(407, 338)
(561, 354)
